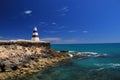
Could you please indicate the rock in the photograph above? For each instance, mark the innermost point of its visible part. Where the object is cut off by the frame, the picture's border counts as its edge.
(14, 67)
(65, 51)
(24, 69)
(19, 47)
(2, 67)
(70, 55)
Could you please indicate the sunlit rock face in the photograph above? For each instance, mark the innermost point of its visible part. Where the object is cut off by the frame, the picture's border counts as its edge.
(15, 54)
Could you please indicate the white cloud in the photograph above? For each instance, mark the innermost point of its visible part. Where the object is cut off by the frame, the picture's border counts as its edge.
(61, 27)
(28, 12)
(54, 23)
(85, 31)
(51, 31)
(56, 40)
(69, 41)
(63, 11)
(43, 24)
(71, 31)
(1, 37)
(50, 39)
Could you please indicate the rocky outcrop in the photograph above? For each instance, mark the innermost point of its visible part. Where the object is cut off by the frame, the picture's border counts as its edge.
(26, 54)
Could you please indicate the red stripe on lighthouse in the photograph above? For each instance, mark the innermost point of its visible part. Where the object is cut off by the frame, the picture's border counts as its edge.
(35, 36)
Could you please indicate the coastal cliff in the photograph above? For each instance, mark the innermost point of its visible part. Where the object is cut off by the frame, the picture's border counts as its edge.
(26, 55)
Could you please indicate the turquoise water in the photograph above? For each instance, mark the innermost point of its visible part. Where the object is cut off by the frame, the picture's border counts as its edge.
(94, 68)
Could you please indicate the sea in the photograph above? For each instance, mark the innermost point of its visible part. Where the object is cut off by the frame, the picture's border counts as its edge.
(92, 68)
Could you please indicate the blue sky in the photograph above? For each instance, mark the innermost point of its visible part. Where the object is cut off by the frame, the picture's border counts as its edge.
(61, 21)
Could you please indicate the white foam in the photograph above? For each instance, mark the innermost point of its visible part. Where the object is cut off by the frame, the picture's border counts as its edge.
(94, 53)
(99, 69)
(108, 65)
(70, 55)
(89, 54)
(57, 51)
(71, 51)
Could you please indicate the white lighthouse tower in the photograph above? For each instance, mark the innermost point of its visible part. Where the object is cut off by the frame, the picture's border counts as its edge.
(35, 36)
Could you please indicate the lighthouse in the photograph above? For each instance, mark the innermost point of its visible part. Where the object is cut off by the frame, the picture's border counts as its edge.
(35, 36)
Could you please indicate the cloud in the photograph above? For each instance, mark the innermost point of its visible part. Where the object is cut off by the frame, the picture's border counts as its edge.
(68, 41)
(43, 24)
(51, 31)
(56, 40)
(85, 31)
(28, 12)
(71, 31)
(61, 27)
(1, 37)
(54, 23)
(50, 39)
(63, 11)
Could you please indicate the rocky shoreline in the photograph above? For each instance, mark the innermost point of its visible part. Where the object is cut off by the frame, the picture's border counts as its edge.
(23, 72)
(18, 59)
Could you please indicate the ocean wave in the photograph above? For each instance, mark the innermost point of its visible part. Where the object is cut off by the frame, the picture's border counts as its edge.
(94, 53)
(89, 54)
(99, 69)
(113, 65)
(72, 52)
